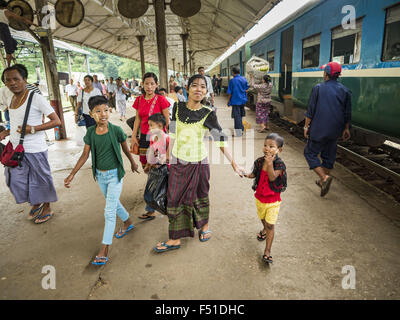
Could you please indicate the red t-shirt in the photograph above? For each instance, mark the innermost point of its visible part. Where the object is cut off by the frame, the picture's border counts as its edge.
(264, 192)
(144, 109)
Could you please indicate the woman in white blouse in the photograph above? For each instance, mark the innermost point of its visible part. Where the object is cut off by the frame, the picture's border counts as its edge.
(31, 181)
(84, 97)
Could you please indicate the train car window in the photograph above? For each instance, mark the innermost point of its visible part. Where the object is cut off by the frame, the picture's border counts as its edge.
(311, 50)
(391, 49)
(346, 44)
(271, 59)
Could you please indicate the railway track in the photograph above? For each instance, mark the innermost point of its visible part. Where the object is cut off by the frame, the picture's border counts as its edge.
(378, 166)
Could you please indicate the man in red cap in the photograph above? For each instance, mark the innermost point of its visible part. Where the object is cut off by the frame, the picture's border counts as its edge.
(328, 118)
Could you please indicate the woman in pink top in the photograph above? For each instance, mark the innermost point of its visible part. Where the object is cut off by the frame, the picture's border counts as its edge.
(263, 102)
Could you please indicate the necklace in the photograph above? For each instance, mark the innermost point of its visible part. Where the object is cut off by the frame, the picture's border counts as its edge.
(148, 100)
(21, 99)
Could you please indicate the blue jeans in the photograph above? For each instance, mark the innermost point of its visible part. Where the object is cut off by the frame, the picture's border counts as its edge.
(111, 188)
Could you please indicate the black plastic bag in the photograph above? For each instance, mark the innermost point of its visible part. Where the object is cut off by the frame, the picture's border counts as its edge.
(155, 193)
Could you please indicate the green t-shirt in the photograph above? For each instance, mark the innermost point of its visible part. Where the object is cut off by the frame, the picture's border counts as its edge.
(106, 158)
(116, 137)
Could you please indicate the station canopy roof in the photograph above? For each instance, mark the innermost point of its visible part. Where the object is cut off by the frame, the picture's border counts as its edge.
(217, 26)
(61, 45)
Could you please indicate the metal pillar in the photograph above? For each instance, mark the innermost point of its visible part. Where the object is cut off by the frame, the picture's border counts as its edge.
(173, 66)
(159, 9)
(50, 66)
(142, 61)
(184, 39)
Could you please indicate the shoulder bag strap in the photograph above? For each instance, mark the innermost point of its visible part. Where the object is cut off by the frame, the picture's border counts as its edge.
(152, 106)
(28, 107)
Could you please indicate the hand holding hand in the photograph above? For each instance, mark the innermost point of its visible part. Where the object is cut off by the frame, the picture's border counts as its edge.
(239, 170)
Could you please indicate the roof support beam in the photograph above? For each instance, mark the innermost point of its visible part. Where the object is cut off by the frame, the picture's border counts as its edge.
(95, 30)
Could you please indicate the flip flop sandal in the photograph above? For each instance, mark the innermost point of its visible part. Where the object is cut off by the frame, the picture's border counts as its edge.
(202, 233)
(261, 236)
(167, 247)
(102, 263)
(33, 214)
(267, 259)
(49, 215)
(147, 217)
(318, 183)
(325, 186)
(126, 231)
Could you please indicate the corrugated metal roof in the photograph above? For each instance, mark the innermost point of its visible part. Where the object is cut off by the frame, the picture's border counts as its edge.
(26, 36)
(218, 25)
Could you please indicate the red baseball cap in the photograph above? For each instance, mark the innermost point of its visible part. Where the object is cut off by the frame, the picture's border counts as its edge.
(332, 68)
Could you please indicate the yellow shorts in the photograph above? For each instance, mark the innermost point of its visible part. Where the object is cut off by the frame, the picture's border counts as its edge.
(268, 211)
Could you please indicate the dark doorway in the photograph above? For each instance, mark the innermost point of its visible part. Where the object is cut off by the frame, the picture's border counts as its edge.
(285, 83)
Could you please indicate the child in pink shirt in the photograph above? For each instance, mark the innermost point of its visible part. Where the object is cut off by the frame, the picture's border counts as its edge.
(159, 141)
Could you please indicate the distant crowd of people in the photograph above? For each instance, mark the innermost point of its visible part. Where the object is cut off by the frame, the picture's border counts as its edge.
(117, 93)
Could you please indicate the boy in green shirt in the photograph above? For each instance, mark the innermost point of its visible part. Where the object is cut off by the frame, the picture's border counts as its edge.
(104, 141)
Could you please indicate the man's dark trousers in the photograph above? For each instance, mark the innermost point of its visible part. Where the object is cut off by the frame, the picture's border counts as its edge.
(237, 113)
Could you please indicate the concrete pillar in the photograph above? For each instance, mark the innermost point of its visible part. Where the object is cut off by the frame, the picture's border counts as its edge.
(69, 65)
(184, 39)
(37, 69)
(159, 9)
(3, 59)
(179, 67)
(142, 61)
(173, 66)
(229, 70)
(190, 62)
(87, 64)
(50, 66)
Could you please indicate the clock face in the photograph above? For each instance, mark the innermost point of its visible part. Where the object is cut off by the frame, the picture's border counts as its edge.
(20, 8)
(132, 9)
(184, 8)
(69, 13)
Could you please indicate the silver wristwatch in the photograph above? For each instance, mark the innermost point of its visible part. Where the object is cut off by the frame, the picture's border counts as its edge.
(33, 130)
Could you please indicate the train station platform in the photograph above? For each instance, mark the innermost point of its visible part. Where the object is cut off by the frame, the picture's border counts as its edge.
(355, 227)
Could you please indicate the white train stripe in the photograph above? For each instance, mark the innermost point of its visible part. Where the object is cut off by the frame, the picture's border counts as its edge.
(376, 72)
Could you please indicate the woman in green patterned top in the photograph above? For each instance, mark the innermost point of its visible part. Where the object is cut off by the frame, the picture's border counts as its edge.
(188, 181)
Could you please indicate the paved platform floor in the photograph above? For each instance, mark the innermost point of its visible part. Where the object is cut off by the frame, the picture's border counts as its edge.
(354, 225)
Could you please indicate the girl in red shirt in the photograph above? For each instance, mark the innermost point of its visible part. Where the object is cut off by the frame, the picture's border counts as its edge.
(147, 104)
(269, 172)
